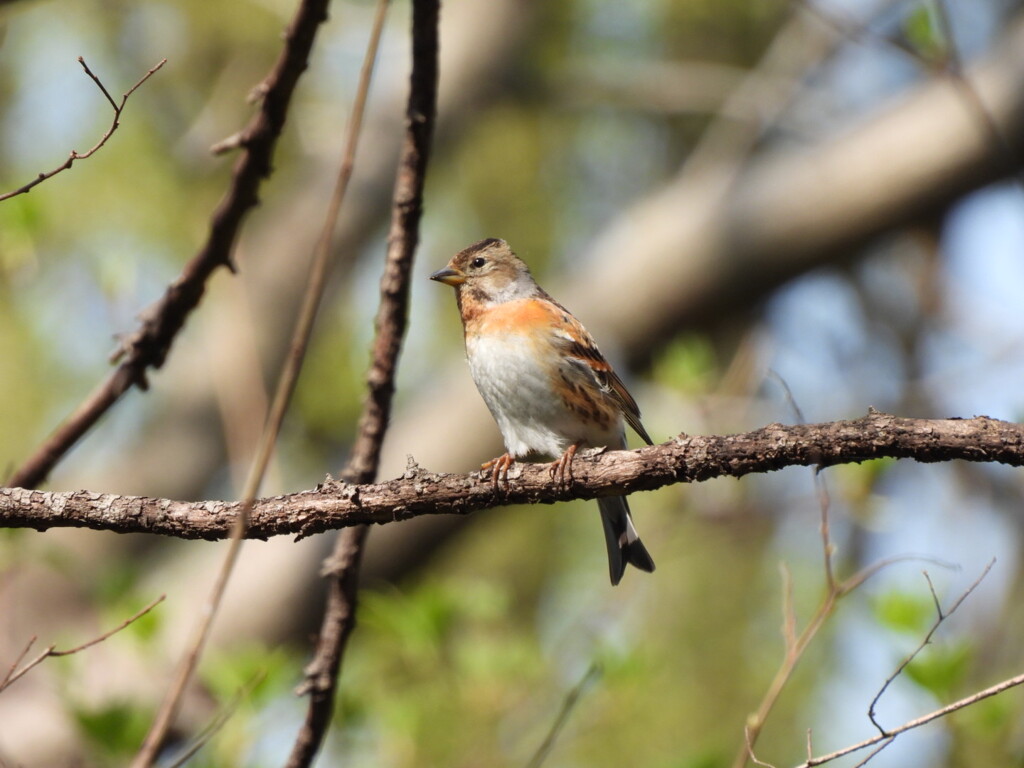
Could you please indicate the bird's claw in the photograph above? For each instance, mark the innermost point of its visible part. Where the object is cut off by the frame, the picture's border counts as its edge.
(499, 471)
(561, 469)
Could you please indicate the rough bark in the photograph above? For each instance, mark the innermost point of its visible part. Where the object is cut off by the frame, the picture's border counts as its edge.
(335, 504)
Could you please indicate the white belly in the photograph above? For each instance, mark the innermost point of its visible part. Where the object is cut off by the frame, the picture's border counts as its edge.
(519, 393)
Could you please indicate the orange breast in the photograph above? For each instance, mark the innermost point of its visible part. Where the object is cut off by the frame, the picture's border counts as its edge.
(519, 317)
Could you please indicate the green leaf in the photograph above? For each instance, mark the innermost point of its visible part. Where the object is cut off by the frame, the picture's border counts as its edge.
(260, 671)
(114, 730)
(923, 33)
(941, 669)
(911, 613)
(687, 364)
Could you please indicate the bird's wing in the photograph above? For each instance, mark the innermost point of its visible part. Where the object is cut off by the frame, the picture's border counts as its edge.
(577, 344)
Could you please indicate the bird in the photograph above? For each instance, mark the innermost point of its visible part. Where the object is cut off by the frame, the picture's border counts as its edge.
(545, 382)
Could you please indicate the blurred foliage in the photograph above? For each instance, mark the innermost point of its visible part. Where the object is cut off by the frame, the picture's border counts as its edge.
(941, 670)
(923, 33)
(687, 364)
(113, 730)
(911, 613)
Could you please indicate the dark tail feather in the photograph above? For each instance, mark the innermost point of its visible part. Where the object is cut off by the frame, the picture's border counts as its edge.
(624, 546)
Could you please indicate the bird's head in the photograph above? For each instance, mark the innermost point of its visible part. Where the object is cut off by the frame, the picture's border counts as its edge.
(489, 270)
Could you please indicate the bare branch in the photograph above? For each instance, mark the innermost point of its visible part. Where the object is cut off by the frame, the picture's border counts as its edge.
(687, 458)
(854, 581)
(871, 755)
(793, 653)
(935, 596)
(886, 737)
(796, 644)
(148, 346)
(967, 701)
(941, 616)
(219, 720)
(300, 35)
(75, 155)
(102, 87)
(15, 673)
(342, 567)
(748, 737)
(789, 622)
(9, 677)
(824, 501)
(571, 700)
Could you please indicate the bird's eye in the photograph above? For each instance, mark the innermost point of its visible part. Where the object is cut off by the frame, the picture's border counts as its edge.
(478, 262)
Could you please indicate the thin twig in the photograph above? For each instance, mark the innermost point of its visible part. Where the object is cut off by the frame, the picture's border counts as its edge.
(967, 701)
(149, 344)
(755, 722)
(217, 722)
(114, 631)
(75, 155)
(794, 652)
(789, 622)
(941, 616)
(572, 698)
(342, 567)
(13, 676)
(827, 548)
(874, 752)
(301, 34)
(18, 659)
(750, 750)
(935, 595)
(824, 502)
(854, 581)
(794, 644)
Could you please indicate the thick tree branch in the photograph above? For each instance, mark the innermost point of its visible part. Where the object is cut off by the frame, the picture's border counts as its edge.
(794, 207)
(418, 492)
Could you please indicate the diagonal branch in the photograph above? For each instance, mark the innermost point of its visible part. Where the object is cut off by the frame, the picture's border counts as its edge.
(148, 346)
(885, 738)
(16, 672)
(941, 616)
(303, 28)
(342, 567)
(568, 705)
(683, 459)
(115, 123)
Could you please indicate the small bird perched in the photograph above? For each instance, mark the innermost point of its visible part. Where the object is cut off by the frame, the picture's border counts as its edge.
(543, 379)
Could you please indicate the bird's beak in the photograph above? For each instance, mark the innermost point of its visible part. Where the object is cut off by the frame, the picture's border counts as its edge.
(449, 276)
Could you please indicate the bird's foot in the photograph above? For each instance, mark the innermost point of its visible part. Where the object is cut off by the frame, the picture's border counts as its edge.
(499, 470)
(561, 469)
